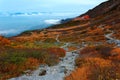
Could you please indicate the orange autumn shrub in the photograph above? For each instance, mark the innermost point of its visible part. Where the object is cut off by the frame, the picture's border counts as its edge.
(89, 52)
(57, 51)
(4, 41)
(89, 39)
(7, 69)
(18, 46)
(108, 27)
(115, 54)
(102, 69)
(96, 31)
(12, 70)
(97, 63)
(96, 51)
(94, 69)
(14, 61)
(32, 62)
(116, 50)
(117, 35)
(79, 74)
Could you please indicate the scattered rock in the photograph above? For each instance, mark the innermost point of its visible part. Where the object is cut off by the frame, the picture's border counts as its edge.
(43, 72)
(28, 72)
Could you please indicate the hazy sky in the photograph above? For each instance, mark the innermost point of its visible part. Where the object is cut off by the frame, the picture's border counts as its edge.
(48, 5)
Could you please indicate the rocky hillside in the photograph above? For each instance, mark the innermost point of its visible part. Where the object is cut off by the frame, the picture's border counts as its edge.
(104, 8)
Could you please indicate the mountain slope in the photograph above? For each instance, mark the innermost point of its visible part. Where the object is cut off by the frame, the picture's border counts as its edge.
(99, 37)
(105, 15)
(96, 35)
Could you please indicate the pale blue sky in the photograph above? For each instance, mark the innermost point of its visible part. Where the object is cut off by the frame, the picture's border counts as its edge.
(48, 5)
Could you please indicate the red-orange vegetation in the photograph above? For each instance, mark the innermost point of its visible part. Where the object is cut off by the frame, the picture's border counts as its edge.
(57, 51)
(89, 39)
(14, 61)
(96, 51)
(97, 63)
(79, 74)
(116, 34)
(32, 62)
(96, 31)
(11, 70)
(108, 27)
(4, 41)
(89, 52)
(18, 46)
(115, 54)
(94, 69)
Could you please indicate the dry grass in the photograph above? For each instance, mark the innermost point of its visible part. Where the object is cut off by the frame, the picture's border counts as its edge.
(97, 63)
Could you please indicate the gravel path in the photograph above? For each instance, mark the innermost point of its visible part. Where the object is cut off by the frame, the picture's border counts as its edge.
(112, 40)
(57, 72)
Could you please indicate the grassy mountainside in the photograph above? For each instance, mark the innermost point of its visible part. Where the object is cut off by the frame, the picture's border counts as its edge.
(103, 18)
(98, 58)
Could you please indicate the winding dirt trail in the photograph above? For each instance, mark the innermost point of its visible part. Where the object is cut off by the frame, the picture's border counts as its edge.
(112, 40)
